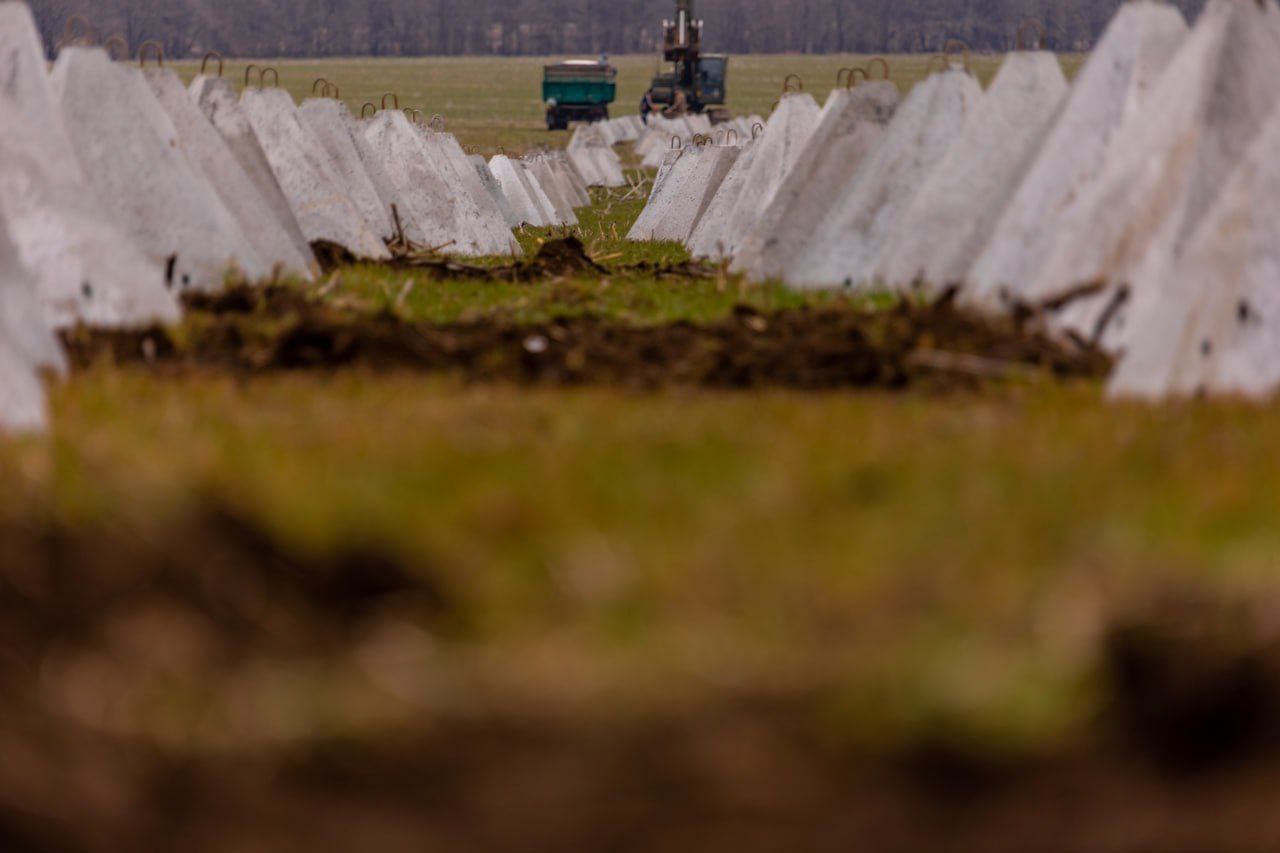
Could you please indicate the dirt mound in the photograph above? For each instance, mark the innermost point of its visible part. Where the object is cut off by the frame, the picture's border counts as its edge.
(93, 617)
(281, 328)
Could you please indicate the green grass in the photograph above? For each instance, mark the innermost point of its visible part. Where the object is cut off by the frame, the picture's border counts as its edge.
(923, 562)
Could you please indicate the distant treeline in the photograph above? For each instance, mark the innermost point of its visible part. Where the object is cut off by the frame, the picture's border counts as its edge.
(553, 27)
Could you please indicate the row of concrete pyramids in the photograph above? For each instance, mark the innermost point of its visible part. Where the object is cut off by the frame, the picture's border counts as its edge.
(121, 187)
(1131, 208)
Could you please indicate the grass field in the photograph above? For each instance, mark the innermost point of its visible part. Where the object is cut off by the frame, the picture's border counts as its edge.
(911, 567)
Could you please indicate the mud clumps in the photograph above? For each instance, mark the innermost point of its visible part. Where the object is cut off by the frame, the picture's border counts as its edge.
(281, 328)
(102, 621)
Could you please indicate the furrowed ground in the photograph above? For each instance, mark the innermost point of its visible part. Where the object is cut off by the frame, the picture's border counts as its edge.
(361, 605)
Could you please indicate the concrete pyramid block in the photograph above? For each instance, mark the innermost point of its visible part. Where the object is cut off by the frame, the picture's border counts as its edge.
(494, 188)
(515, 186)
(651, 160)
(849, 129)
(87, 270)
(130, 151)
(25, 343)
(24, 80)
(841, 251)
(406, 174)
(546, 208)
(1167, 166)
(23, 326)
(1215, 327)
(679, 202)
(951, 218)
(218, 100)
(209, 154)
(779, 147)
(483, 217)
(557, 192)
(332, 124)
(571, 177)
(707, 239)
(307, 175)
(1112, 88)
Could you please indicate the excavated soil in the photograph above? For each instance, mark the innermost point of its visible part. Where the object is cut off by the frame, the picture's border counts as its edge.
(1184, 758)
(282, 328)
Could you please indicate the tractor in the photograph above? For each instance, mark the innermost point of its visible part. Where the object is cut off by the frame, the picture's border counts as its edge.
(697, 80)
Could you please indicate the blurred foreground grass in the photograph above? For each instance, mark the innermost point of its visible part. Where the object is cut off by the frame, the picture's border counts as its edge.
(930, 564)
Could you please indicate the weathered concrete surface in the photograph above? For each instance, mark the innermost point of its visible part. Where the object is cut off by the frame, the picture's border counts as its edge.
(784, 139)
(849, 129)
(409, 179)
(559, 195)
(592, 153)
(1167, 167)
(679, 201)
(130, 151)
(1112, 87)
(87, 269)
(951, 219)
(576, 185)
(1214, 327)
(489, 232)
(494, 188)
(333, 126)
(25, 342)
(24, 79)
(516, 187)
(23, 327)
(545, 206)
(217, 99)
(210, 155)
(841, 252)
(307, 176)
(707, 239)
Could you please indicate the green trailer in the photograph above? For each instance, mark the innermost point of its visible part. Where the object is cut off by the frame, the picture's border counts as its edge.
(578, 90)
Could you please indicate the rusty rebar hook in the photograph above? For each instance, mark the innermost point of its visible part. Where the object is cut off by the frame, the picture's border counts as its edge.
(114, 41)
(365, 109)
(321, 84)
(204, 63)
(436, 123)
(395, 100)
(262, 77)
(331, 87)
(853, 76)
(154, 47)
(248, 74)
(882, 62)
(786, 83)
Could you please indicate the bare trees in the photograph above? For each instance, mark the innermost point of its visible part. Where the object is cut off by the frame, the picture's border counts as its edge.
(415, 27)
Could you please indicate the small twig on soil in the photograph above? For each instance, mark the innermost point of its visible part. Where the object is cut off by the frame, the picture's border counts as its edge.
(971, 365)
(334, 282)
(403, 297)
(395, 215)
